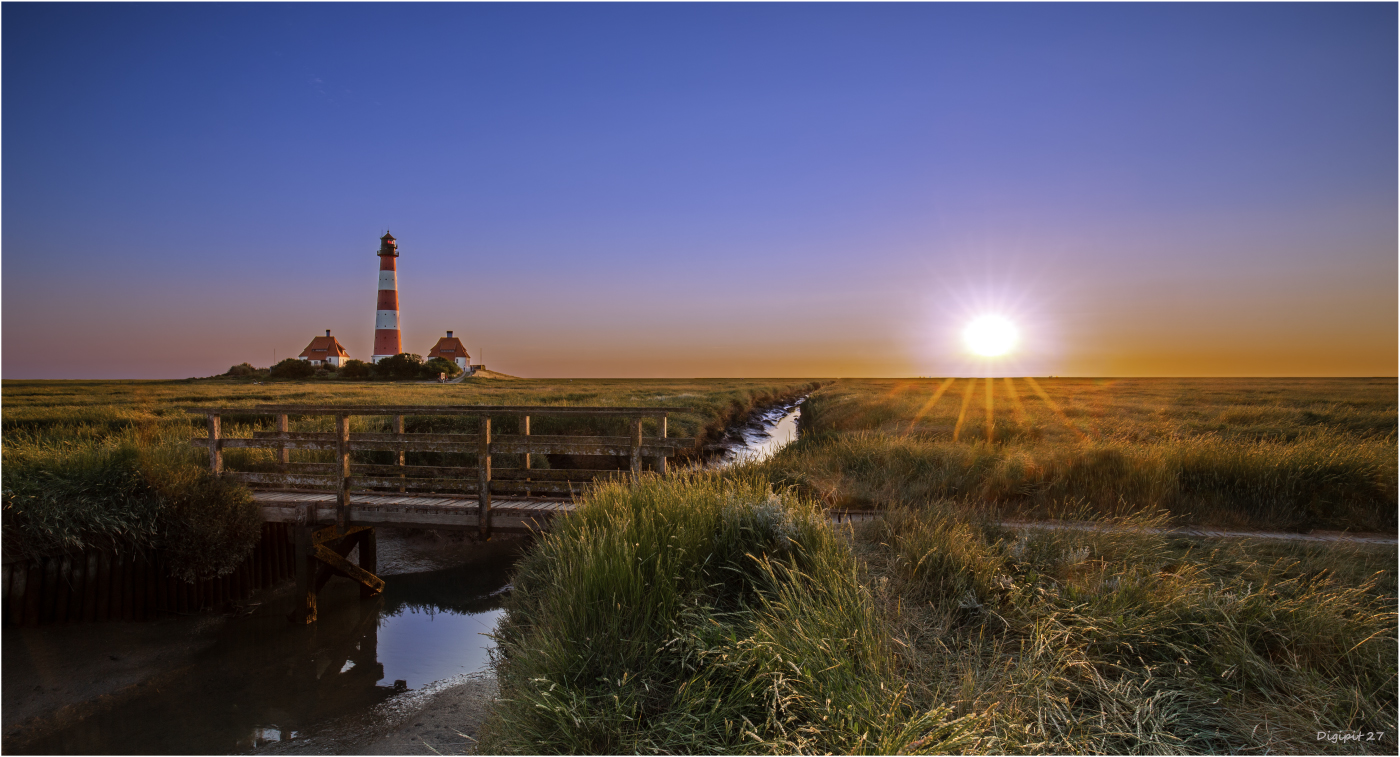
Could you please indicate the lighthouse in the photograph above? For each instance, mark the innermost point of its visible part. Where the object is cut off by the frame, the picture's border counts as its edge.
(386, 314)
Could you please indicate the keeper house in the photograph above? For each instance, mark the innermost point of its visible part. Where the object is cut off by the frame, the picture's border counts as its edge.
(450, 348)
(325, 350)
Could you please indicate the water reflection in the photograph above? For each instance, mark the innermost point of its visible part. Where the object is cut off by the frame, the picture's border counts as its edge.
(771, 431)
(266, 680)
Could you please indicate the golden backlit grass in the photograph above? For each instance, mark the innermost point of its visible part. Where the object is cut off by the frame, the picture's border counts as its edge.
(1267, 453)
(1126, 641)
(709, 614)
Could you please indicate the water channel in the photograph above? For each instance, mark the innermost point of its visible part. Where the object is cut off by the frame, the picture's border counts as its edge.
(257, 683)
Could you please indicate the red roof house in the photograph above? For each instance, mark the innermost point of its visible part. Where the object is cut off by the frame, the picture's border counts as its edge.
(450, 348)
(325, 350)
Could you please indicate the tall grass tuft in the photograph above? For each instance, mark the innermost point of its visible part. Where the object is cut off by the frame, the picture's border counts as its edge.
(699, 614)
(144, 488)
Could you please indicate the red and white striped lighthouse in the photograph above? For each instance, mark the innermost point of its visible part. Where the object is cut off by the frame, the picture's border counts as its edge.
(386, 314)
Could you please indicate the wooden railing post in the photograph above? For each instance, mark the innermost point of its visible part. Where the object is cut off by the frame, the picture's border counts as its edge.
(216, 448)
(369, 559)
(659, 463)
(398, 429)
(483, 485)
(284, 455)
(304, 601)
(342, 468)
(636, 449)
(525, 432)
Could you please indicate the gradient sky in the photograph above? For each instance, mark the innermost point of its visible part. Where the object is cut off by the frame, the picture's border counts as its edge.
(704, 190)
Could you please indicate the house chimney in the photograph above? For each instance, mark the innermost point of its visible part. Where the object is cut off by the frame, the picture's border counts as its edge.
(328, 332)
(449, 335)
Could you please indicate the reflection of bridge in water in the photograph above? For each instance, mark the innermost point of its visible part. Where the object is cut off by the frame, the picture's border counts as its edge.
(263, 679)
(344, 485)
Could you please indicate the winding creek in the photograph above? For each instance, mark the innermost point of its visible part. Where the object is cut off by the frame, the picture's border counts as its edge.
(253, 682)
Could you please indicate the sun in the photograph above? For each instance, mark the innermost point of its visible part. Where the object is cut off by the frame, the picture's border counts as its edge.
(990, 336)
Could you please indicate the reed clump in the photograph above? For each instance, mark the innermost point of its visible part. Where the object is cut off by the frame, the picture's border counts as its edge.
(700, 614)
(70, 488)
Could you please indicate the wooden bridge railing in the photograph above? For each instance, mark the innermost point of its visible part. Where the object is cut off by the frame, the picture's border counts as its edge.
(479, 479)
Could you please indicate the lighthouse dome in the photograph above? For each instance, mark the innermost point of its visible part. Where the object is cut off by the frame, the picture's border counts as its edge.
(388, 245)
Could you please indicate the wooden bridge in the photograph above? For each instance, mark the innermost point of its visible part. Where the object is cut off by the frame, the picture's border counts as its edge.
(334, 505)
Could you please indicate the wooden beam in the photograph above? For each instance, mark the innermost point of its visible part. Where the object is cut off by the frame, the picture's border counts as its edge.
(659, 462)
(342, 454)
(525, 432)
(342, 547)
(540, 445)
(369, 560)
(284, 455)
(445, 485)
(463, 518)
(335, 532)
(216, 448)
(636, 456)
(483, 489)
(348, 569)
(304, 600)
(446, 471)
(435, 410)
(398, 431)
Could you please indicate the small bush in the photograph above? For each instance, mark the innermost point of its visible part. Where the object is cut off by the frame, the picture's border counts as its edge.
(292, 368)
(207, 525)
(356, 369)
(401, 367)
(437, 365)
(242, 370)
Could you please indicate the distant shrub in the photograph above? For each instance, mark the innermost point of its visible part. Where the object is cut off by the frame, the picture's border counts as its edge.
(356, 369)
(403, 366)
(242, 370)
(437, 365)
(292, 368)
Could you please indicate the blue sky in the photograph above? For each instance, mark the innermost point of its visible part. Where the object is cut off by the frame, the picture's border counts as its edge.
(704, 190)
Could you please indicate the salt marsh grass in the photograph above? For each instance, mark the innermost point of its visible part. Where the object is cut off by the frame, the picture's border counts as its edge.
(702, 614)
(1126, 641)
(1280, 454)
(97, 463)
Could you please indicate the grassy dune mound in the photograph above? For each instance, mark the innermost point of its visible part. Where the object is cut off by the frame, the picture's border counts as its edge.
(697, 614)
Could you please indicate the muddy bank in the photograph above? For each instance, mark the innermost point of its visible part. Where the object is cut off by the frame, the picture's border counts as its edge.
(248, 680)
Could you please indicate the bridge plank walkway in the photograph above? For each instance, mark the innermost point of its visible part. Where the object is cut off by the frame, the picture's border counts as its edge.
(409, 510)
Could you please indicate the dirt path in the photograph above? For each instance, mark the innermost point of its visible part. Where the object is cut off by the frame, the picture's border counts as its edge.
(1325, 537)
